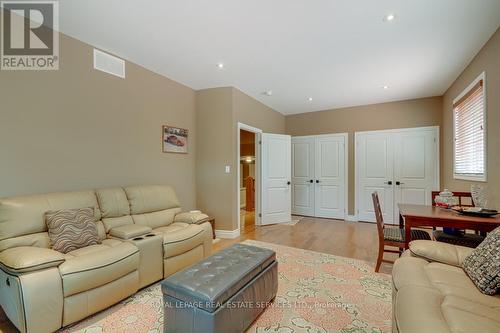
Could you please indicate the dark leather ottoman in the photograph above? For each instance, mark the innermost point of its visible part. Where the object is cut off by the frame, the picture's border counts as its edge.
(222, 293)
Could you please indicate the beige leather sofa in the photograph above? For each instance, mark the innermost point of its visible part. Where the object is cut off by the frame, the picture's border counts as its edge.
(433, 294)
(145, 238)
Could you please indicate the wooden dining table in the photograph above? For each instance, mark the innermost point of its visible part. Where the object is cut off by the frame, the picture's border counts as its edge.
(411, 216)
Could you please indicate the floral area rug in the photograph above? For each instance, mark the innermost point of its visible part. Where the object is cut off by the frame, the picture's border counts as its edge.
(317, 292)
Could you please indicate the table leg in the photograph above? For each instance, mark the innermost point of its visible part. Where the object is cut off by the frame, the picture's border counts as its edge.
(407, 232)
(213, 228)
(401, 226)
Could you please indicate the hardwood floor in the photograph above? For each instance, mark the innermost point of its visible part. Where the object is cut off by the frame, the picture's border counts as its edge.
(356, 240)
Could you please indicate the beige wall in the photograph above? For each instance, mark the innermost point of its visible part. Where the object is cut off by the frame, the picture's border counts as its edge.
(218, 112)
(77, 128)
(251, 112)
(488, 60)
(214, 121)
(402, 114)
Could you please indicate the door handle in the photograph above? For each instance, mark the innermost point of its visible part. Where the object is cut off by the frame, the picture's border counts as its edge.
(311, 181)
(389, 182)
(317, 181)
(288, 182)
(399, 183)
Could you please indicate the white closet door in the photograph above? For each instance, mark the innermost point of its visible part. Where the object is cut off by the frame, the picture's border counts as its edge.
(416, 166)
(330, 177)
(402, 165)
(276, 178)
(303, 176)
(374, 164)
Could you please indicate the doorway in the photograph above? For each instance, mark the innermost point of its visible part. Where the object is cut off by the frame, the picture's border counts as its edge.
(247, 176)
(271, 191)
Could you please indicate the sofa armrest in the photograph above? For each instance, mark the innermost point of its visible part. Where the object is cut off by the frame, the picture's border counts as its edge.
(440, 252)
(129, 231)
(25, 259)
(191, 217)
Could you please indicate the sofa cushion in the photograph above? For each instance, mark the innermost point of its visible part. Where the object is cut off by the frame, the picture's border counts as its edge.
(28, 258)
(148, 199)
(189, 217)
(422, 309)
(179, 238)
(129, 231)
(445, 279)
(483, 264)
(113, 202)
(113, 222)
(25, 215)
(71, 229)
(40, 239)
(440, 252)
(156, 219)
(96, 265)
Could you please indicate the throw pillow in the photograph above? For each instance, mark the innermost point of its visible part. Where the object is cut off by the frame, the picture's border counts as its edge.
(71, 229)
(483, 264)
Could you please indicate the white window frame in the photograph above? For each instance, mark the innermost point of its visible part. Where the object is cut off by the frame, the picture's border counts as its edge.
(477, 178)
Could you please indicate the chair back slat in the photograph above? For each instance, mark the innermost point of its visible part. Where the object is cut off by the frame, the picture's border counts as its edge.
(459, 195)
(378, 215)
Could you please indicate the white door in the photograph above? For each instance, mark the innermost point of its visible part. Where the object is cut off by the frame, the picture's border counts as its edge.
(303, 176)
(276, 178)
(374, 163)
(330, 177)
(415, 167)
(401, 165)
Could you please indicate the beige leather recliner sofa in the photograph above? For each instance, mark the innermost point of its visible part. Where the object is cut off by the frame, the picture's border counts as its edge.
(145, 238)
(432, 293)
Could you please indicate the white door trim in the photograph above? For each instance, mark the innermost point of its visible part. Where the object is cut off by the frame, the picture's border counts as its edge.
(258, 132)
(346, 180)
(395, 130)
(398, 130)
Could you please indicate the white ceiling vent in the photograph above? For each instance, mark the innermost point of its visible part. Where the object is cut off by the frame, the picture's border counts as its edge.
(109, 64)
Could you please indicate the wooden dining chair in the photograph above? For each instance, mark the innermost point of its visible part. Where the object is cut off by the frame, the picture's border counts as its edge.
(460, 195)
(391, 236)
(458, 237)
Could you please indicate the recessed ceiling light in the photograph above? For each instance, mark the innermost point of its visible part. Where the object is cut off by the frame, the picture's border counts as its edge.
(389, 17)
(268, 93)
(310, 99)
(220, 65)
(385, 87)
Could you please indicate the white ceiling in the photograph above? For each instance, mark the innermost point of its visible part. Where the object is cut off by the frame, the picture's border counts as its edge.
(339, 52)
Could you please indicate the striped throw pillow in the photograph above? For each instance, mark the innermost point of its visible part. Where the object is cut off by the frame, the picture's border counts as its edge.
(71, 229)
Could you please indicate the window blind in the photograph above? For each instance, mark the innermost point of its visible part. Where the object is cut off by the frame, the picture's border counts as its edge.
(470, 133)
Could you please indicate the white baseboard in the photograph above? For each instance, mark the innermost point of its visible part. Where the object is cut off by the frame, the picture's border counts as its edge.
(227, 233)
(351, 218)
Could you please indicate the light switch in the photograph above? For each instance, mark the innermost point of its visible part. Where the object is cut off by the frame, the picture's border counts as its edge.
(228, 169)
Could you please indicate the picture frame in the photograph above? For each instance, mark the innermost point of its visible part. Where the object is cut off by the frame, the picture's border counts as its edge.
(174, 140)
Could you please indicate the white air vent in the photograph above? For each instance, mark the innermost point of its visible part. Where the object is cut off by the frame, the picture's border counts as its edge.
(109, 64)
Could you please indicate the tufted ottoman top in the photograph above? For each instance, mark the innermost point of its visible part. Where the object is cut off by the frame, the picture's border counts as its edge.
(212, 281)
